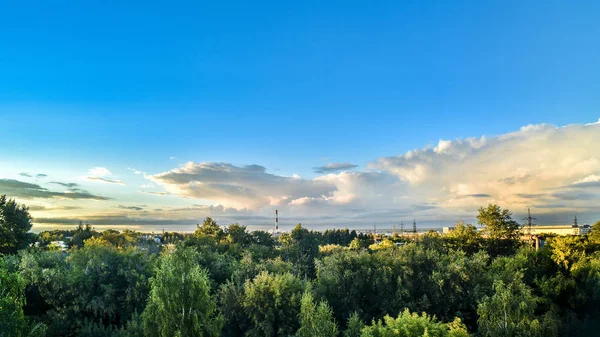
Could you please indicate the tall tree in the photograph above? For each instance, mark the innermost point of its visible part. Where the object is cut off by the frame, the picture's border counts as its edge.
(180, 303)
(316, 320)
(272, 302)
(301, 248)
(498, 222)
(509, 312)
(15, 222)
(465, 237)
(209, 229)
(355, 326)
(82, 233)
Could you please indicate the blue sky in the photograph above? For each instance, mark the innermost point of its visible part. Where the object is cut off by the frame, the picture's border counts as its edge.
(286, 85)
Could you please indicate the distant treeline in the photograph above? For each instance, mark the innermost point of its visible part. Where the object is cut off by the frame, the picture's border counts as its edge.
(231, 282)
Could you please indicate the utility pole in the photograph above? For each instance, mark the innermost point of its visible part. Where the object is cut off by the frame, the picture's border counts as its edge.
(530, 223)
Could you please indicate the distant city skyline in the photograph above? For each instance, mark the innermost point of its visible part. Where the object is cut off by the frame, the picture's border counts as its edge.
(338, 115)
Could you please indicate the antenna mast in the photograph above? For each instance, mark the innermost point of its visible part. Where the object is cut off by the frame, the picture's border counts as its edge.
(530, 223)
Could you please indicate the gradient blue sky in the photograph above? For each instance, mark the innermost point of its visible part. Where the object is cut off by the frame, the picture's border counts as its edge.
(287, 85)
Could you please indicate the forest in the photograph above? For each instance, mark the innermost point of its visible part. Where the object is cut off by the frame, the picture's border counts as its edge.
(478, 280)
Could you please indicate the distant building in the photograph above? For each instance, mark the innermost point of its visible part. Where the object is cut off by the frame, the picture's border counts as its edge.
(152, 237)
(547, 229)
(558, 230)
(60, 245)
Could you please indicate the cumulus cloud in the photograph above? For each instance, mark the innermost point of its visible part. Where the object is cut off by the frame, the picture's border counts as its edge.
(102, 174)
(334, 167)
(19, 189)
(514, 169)
(99, 172)
(238, 186)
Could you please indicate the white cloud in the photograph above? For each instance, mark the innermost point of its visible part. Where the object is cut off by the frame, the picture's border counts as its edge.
(460, 174)
(237, 186)
(589, 179)
(136, 171)
(99, 172)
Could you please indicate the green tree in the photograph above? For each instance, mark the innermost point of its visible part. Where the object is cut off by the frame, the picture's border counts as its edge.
(272, 302)
(316, 320)
(13, 322)
(180, 303)
(509, 312)
(355, 326)
(498, 223)
(502, 231)
(464, 237)
(594, 234)
(15, 223)
(237, 234)
(414, 325)
(209, 229)
(301, 248)
(108, 284)
(82, 233)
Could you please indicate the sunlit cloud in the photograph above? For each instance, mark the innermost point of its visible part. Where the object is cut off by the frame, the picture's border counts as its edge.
(99, 172)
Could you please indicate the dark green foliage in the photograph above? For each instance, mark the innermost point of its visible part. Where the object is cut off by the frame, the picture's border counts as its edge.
(272, 303)
(225, 281)
(316, 320)
(82, 233)
(98, 284)
(355, 326)
(15, 223)
(301, 248)
(13, 322)
(180, 303)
